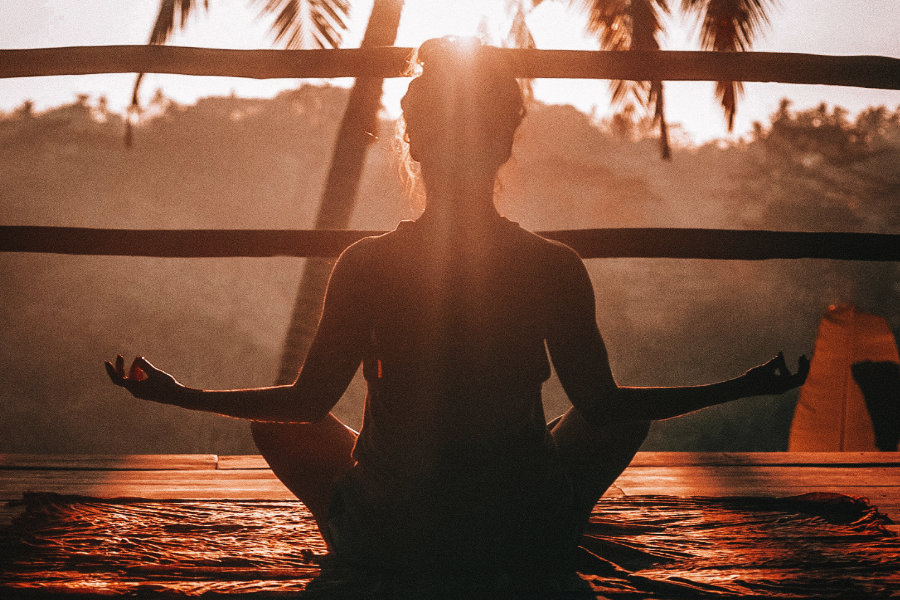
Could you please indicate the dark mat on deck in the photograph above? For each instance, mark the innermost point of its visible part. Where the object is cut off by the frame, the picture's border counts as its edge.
(811, 546)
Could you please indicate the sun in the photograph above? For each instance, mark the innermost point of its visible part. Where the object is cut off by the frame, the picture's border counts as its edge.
(428, 19)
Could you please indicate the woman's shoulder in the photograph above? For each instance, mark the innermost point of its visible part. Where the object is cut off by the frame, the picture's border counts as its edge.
(371, 248)
(376, 243)
(550, 251)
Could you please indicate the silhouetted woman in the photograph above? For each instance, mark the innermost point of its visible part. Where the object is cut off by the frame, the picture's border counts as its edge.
(452, 317)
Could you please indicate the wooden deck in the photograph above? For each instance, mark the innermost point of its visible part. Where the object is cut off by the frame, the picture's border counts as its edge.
(874, 475)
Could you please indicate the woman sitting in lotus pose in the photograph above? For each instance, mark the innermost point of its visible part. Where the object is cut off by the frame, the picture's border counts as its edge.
(452, 317)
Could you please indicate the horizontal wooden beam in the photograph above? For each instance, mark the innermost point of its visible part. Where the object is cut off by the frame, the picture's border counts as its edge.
(647, 242)
(860, 71)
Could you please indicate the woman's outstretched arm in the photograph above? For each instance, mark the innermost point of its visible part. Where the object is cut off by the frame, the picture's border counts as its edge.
(332, 360)
(772, 377)
(582, 364)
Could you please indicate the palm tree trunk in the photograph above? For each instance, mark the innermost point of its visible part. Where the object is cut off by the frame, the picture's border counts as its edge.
(356, 132)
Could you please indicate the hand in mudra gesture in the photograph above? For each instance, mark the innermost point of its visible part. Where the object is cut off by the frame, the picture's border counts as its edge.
(774, 377)
(143, 380)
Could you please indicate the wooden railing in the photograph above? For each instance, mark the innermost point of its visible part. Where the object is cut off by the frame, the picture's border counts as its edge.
(860, 71)
(589, 243)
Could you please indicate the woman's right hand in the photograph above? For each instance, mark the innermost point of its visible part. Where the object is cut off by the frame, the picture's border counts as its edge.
(143, 380)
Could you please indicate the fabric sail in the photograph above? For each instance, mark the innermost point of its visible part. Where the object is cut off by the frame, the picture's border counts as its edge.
(831, 414)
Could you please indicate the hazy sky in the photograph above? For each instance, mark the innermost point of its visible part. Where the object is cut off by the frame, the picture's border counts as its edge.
(815, 26)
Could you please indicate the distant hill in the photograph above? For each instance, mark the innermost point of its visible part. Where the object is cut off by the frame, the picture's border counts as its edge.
(240, 163)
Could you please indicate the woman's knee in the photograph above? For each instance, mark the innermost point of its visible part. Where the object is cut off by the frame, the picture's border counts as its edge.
(327, 436)
(305, 452)
(624, 439)
(308, 458)
(279, 438)
(572, 427)
(635, 431)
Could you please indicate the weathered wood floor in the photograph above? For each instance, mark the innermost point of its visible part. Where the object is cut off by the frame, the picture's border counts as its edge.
(875, 476)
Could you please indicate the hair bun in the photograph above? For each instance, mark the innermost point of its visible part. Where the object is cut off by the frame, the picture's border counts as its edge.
(449, 52)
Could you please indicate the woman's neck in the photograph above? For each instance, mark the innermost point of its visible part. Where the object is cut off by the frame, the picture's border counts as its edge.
(464, 200)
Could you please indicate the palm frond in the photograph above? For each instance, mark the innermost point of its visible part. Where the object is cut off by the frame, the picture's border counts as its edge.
(657, 98)
(632, 25)
(728, 93)
(520, 36)
(172, 15)
(308, 23)
(626, 24)
(513, 5)
(728, 26)
(296, 23)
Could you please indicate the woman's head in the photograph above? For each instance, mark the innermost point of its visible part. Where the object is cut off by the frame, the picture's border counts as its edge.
(461, 113)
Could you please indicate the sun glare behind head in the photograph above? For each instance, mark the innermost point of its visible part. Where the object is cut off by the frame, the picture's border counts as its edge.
(467, 45)
(462, 18)
(450, 52)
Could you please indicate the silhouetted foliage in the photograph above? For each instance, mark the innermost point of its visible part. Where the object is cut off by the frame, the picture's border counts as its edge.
(821, 134)
(843, 172)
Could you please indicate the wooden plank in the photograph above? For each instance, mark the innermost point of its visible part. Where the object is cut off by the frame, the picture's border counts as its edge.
(763, 475)
(886, 500)
(256, 461)
(261, 491)
(628, 242)
(718, 479)
(836, 459)
(108, 462)
(861, 71)
(154, 475)
(242, 461)
(173, 485)
(671, 459)
(883, 498)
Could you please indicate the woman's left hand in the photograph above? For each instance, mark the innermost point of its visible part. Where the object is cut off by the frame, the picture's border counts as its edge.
(774, 377)
(143, 380)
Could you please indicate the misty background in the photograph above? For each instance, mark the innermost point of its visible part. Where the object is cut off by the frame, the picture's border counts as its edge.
(229, 162)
